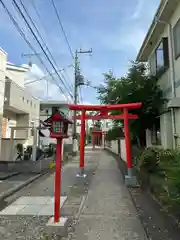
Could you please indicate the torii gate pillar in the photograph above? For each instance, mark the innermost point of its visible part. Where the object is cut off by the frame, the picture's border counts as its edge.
(130, 179)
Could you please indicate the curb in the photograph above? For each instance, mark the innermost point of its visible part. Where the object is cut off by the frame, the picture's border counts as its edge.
(11, 191)
(123, 172)
(9, 175)
(151, 196)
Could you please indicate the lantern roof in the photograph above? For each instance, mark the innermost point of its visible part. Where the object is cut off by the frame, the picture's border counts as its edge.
(58, 116)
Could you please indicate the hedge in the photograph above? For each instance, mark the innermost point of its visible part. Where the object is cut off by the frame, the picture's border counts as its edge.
(162, 168)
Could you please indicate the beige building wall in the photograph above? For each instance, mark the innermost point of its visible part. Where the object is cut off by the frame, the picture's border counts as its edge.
(3, 59)
(18, 108)
(166, 85)
(15, 73)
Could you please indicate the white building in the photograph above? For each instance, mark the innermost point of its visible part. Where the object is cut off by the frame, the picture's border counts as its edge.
(18, 108)
(161, 48)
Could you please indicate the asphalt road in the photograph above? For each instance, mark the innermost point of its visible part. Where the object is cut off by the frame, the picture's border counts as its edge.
(14, 181)
(44, 186)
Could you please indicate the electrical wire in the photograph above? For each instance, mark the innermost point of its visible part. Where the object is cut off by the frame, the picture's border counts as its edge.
(71, 85)
(27, 41)
(42, 78)
(39, 35)
(65, 36)
(39, 17)
(37, 40)
(37, 31)
(37, 12)
(62, 28)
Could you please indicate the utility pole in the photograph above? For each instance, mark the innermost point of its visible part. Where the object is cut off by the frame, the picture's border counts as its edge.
(29, 55)
(78, 81)
(76, 70)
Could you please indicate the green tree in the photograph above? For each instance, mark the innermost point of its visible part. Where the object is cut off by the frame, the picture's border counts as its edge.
(136, 86)
(96, 123)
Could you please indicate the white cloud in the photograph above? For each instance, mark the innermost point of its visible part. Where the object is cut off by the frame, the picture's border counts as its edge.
(123, 40)
(43, 88)
(138, 9)
(133, 38)
(111, 31)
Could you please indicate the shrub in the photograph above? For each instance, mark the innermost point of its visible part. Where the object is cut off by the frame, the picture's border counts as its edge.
(148, 160)
(163, 168)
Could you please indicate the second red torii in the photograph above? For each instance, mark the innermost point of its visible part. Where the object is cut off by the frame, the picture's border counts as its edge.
(111, 117)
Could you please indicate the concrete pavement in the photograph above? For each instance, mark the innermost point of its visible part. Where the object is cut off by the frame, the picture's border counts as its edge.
(100, 209)
(108, 211)
(31, 225)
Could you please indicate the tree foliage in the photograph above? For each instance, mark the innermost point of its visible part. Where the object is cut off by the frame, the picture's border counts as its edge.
(96, 123)
(114, 133)
(136, 86)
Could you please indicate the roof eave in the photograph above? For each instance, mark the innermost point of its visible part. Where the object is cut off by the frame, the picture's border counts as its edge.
(163, 13)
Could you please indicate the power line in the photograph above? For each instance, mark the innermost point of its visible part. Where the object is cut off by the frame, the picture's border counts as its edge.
(68, 78)
(62, 28)
(39, 17)
(37, 12)
(37, 31)
(27, 41)
(35, 37)
(39, 34)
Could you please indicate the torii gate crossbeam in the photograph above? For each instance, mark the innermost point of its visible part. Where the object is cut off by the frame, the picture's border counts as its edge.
(111, 117)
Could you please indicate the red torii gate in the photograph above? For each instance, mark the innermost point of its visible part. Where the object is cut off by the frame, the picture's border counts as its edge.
(104, 109)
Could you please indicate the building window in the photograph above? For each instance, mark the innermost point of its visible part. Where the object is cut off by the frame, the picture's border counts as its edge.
(27, 101)
(162, 55)
(23, 99)
(176, 34)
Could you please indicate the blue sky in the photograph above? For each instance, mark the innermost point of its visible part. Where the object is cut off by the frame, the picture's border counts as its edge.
(113, 29)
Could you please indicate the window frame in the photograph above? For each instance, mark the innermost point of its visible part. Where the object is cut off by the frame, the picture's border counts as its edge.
(176, 26)
(165, 50)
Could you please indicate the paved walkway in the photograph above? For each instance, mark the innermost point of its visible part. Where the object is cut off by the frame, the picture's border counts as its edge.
(17, 224)
(108, 212)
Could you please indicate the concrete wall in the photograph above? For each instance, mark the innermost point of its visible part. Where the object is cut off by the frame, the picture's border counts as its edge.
(19, 100)
(22, 120)
(16, 73)
(165, 84)
(123, 149)
(3, 59)
(22, 103)
(17, 106)
(8, 151)
(166, 132)
(9, 121)
(114, 148)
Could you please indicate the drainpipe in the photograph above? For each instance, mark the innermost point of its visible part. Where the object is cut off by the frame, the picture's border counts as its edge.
(172, 77)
